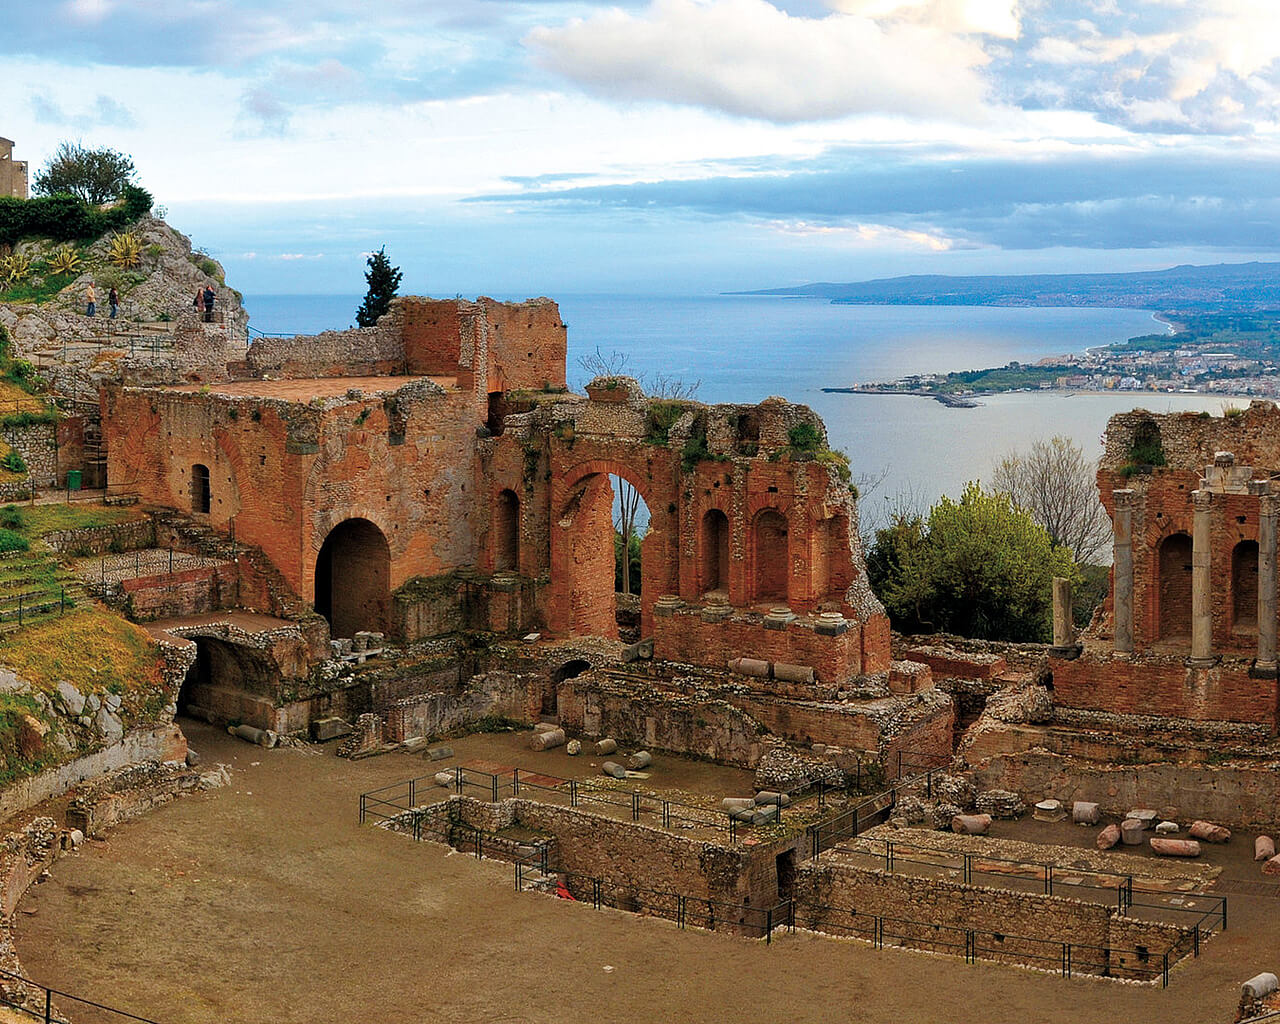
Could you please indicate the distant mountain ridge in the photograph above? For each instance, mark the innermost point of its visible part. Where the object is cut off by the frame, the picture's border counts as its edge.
(1221, 286)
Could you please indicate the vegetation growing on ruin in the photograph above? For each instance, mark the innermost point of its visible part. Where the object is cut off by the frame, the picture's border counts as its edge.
(37, 520)
(98, 650)
(662, 415)
(980, 567)
(67, 218)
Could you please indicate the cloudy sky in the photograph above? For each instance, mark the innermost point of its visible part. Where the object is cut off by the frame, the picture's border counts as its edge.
(519, 147)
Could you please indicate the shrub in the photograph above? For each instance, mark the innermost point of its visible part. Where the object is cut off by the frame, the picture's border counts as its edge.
(66, 218)
(12, 462)
(804, 437)
(125, 250)
(659, 420)
(12, 518)
(27, 418)
(10, 541)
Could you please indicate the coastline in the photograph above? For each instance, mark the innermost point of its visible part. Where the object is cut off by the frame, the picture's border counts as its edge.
(972, 401)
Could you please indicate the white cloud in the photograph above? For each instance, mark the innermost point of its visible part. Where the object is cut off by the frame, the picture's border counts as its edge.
(871, 236)
(982, 17)
(748, 58)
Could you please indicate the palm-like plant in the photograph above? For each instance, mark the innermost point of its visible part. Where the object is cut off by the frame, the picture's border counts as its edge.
(15, 268)
(65, 260)
(125, 250)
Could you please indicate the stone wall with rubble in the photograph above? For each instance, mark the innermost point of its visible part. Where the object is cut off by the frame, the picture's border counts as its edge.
(1190, 439)
(1031, 928)
(98, 540)
(500, 694)
(1236, 794)
(132, 791)
(637, 855)
(38, 446)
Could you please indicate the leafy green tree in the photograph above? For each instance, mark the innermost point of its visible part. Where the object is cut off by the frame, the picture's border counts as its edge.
(94, 175)
(383, 280)
(980, 567)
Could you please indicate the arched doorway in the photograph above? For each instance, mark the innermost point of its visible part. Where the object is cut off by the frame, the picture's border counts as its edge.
(506, 532)
(229, 682)
(1244, 586)
(201, 491)
(1174, 587)
(353, 578)
(715, 552)
(608, 559)
(770, 560)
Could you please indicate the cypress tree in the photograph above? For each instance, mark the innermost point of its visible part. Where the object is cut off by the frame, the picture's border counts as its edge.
(383, 280)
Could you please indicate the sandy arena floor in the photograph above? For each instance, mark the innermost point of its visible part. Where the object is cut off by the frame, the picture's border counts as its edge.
(265, 901)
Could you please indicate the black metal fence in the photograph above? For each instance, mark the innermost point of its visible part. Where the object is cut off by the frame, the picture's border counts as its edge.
(36, 1002)
(394, 800)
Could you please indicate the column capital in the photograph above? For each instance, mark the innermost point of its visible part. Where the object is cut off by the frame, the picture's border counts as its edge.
(1202, 499)
(1269, 504)
(1123, 498)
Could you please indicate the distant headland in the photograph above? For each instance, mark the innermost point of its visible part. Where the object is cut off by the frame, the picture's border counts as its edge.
(1221, 287)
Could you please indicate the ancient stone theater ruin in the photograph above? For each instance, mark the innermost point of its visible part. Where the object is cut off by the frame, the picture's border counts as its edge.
(391, 537)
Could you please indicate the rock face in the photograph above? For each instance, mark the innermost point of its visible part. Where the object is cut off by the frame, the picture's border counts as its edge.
(157, 322)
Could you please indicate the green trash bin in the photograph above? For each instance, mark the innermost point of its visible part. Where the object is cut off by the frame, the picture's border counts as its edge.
(73, 479)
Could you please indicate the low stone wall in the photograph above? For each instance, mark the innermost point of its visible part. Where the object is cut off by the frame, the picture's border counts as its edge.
(24, 856)
(132, 791)
(98, 540)
(1019, 657)
(38, 446)
(434, 714)
(945, 662)
(702, 725)
(159, 743)
(1016, 927)
(1228, 794)
(637, 855)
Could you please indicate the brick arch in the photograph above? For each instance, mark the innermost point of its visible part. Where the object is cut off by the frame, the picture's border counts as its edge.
(1244, 586)
(353, 578)
(582, 559)
(1171, 586)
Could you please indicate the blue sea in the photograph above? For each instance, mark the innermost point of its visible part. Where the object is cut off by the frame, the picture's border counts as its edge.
(745, 348)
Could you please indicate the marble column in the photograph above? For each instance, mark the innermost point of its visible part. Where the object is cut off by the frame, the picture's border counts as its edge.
(1063, 631)
(1269, 507)
(1123, 556)
(1201, 577)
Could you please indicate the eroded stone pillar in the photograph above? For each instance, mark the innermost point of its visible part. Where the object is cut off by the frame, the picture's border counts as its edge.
(1123, 556)
(1063, 630)
(1201, 581)
(1270, 506)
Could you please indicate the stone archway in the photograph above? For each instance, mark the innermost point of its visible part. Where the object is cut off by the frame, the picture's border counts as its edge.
(770, 561)
(583, 554)
(715, 552)
(1244, 586)
(353, 578)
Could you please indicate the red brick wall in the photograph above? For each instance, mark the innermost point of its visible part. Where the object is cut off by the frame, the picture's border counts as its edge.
(685, 637)
(528, 345)
(1167, 687)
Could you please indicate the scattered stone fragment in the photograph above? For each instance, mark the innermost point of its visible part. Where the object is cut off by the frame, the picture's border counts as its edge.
(1108, 837)
(1131, 830)
(1167, 828)
(738, 803)
(1272, 866)
(546, 727)
(1084, 813)
(765, 815)
(331, 728)
(547, 740)
(1174, 847)
(1001, 803)
(439, 753)
(640, 759)
(262, 737)
(1209, 832)
(445, 779)
(573, 748)
(1260, 985)
(607, 746)
(1049, 810)
(1264, 848)
(1143, 814)
(193, 758)
(971, 824)
(613, 770)
(767, 796)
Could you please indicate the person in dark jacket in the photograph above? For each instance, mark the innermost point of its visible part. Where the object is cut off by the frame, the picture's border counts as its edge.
(113, 300)
(208, 303)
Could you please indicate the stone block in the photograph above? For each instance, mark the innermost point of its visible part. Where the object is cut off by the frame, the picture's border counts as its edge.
(1049, 810)
(331, 728)
(1084, 813)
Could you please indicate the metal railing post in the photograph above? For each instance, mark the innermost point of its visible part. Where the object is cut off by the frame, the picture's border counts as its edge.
(362, 808)
(457, 779)
(635, 806)
(412, 794)
(515, 782)
(573, 792)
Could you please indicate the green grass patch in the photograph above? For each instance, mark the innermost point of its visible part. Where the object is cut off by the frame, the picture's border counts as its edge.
(42, 519)
(96, 650)
(38, 290)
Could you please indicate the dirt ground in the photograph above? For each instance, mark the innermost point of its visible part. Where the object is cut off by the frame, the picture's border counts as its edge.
(266, 901)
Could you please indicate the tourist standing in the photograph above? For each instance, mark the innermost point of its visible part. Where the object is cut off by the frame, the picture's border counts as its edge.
(90, 301)
(208, 303)
(113, 300)
(198, 302)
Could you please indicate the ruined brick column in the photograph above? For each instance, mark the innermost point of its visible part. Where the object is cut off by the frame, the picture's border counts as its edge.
(1123, 527)
(1201, 582)
(1270, 505)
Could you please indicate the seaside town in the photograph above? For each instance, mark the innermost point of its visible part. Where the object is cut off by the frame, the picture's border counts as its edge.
(1224, 354)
